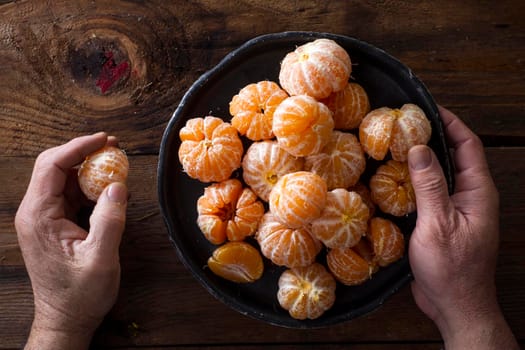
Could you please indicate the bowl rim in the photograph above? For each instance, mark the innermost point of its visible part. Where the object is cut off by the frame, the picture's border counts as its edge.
(214, 73)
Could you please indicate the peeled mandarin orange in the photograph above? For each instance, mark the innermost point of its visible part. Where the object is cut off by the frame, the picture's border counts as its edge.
(391, 188)
(210, 150)
(298, 198)
(340, 163)
(302, 125)
(365, 250)
(227, 211)
(349, 106)
(366, 196)
(263, 165)
(396, 130)
(387, 241)
(347, 266)
(101, 168)
(317, 69)
(306, 292)
(286, 246)
(343, 221)
(253, 107)
(237, 262)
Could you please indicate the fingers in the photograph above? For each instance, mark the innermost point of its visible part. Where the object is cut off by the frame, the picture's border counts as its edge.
(428, 182)
(108, 220)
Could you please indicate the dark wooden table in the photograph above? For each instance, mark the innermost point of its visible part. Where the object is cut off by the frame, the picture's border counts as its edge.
(73, 68)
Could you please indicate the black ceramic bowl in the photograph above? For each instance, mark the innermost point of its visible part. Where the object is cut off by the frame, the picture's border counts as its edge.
(387, 82)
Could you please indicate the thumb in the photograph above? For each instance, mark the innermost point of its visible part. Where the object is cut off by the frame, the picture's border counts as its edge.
(108, 220)
(428, 182)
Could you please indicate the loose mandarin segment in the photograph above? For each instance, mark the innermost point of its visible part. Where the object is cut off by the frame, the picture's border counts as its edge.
(349, 106)
(237, 262)
(253, 107)
(227, 211)
(387, 241)
(396, 130)
(298, 198)
(286, 246)
(366, 196)
(306, 292)
(101, 168)
(343, 221)
(340, 163)
(302, 125)
(263, 165)
(365, 250)
(210, 150)
(317, 69)
(391, 189)
(348, 267)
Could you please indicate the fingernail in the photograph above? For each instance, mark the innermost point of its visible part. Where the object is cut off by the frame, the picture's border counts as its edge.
(419, 157)
(118, 192)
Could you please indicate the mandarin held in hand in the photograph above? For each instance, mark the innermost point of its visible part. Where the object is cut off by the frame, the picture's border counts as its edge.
(306, 292)
(396, 130)
(101, 168)
(316, 69)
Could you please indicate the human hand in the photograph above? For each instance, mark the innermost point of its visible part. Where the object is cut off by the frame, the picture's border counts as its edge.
(75, 275)
(454, 246)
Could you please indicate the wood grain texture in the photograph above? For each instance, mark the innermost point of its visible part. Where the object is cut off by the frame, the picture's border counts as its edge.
(72, 68)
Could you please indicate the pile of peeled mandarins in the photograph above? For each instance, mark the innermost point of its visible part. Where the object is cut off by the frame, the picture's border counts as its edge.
(301, 190)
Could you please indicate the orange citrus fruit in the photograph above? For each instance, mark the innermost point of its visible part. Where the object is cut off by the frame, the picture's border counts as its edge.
(237, 262)
(306, 292)
(210, 150)
(286, 246)
(396, 130)
(263, 165)
(317, 69)
(101, 168)
(366, 196)
(302, 125)
(365, 250)
(347, 266)
(349, 106)
(298, 198)
(391, 188)
(343, 221)
(387, 241)
(253, 107)
(340, 163)
(226, 210)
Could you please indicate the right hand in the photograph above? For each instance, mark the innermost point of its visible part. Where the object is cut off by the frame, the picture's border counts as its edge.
(454, 246)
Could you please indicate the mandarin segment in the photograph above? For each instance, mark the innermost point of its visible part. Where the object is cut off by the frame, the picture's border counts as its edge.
(227, 211)
(101, 168)
(366, 196)
(349, 106)
(348, 267)
(286, 246)
(302, 125)
(343, 221)
(387, 241)
(340, 163)
(298, 198)
(391, 189)
(237, 262)
(306, 292)
(396, 130)
(210, 150)
(263, 165)
(253, 108)
(317, 69)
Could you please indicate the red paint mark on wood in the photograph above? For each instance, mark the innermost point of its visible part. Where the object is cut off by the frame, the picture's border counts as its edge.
(111, 72)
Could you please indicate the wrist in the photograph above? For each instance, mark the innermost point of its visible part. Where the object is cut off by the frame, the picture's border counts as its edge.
(44, 338)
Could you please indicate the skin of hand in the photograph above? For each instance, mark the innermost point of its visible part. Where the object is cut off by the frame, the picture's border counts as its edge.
(453, 248)
(75, 275)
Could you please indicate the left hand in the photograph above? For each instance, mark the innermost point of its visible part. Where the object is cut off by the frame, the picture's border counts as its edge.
(75, 274)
